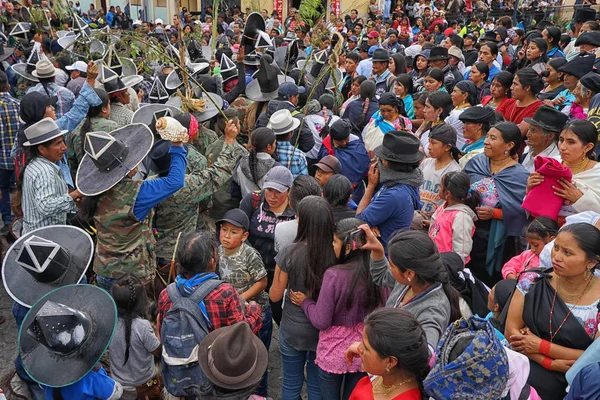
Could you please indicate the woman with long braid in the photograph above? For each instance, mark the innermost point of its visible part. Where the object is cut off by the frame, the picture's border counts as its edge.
(134, 342)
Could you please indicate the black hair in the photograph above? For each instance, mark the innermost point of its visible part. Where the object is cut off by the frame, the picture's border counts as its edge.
(260, 138)
(555, 63)
(195, 252)
(354, 57)
(510, 132)
(587, 237)
(384, 326)
(483, 68)
(585, 131)
(544, 227)
(504, 78)
(360, 261)
(505, 21)
(406, 81)
(3, 82)
(303, 186)
(441, 99)
(565, 39)
(541, 44)
(415, 250)
(554, 34)
(326, 100)
(92, 112)
(367, 94)
(492, 46)
(458, 184)
(400, 63)
(421, 98)
(315, 235)
(456, 40)
(528, 77)
(593, 25)
(360, 79)
(337, 190)
(129, 295)
(436, 74)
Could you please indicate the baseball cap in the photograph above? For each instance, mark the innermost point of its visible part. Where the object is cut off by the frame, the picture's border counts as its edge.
(158, 21)
(279, 178)
(77, 66)
(235, 217)
(373, 35)
(353, 39)
(330, 164)
(289, 89)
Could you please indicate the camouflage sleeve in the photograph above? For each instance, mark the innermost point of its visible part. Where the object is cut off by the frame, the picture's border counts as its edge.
(255, 265)
(207, 181)
(205, 138)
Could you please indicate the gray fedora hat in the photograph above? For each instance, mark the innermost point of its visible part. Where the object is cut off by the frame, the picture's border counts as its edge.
(42, 132)
(109, 157)
(44, 259)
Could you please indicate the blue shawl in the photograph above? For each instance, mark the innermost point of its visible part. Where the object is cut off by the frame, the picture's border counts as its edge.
(382, 124)
(510, 183)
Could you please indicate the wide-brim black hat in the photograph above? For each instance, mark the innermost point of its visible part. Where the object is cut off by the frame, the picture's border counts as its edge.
(590, 37)
(585, 14)
(23, 287)
(254, 93)
(254, 23)
(548, 118)
(438, 53)
(400, 146)
(51, 369)
(477, 114)
(148, 114)
(6, 52)
(138, 138)
(579, 65)
(21, 69)
(210, 110)
(330, 82)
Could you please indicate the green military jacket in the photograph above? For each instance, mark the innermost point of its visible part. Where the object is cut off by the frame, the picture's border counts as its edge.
(74, 150)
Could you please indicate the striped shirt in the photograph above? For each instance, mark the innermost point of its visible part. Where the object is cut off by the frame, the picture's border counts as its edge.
(9, 115)
(45, 198)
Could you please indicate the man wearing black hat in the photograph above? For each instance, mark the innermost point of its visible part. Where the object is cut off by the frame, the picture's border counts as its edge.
(588, 42)
(582, 15)
(381, 74)
(438, 58)
(469, 50)
(587, 87)
(572, 72)
(365, 66)
(542, 135)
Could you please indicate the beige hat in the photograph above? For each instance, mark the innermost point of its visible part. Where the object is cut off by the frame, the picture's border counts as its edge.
(282, 122)
(455, 52)
(44, 69)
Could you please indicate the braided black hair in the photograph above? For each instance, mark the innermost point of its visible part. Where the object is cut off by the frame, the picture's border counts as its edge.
(260, 138)
(131, 300)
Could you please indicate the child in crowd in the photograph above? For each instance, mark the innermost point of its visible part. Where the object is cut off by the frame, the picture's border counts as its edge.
(539, 232)
(443, 158)
(241, 265)
(134, 342)
(453, 223)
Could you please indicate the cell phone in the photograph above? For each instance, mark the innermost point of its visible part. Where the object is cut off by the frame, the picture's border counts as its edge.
(356, 239)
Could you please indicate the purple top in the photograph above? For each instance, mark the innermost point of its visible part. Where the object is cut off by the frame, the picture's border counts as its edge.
(330, 309)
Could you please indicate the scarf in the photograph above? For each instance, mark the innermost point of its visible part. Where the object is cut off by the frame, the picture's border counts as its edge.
(382, 124)
(193, 126)
(477, 145)
(187, 286)
(389, 177)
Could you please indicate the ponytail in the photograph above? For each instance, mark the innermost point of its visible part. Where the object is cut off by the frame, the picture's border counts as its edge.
(360, 123)
(458, 184)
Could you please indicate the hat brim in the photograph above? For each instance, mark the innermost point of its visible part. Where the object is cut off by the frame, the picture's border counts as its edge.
(231, 221)
(254, 93)
(295, 124)
(21, 70)
(46, 367)
(542, 125)
(261, 363)
(128, 67)
(30, 143)
(145, 114)
(35, 74)
(132, 80)
(324, 167)
(385, 154)
(22, 287)
(91, 181)
(209, 109)
(8, 51)
(437, 58)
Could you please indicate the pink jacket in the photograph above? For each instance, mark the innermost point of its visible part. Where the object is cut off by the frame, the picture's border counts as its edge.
(452, 229)
(518, 264)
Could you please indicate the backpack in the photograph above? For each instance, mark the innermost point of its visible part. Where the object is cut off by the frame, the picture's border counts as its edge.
(182, 330)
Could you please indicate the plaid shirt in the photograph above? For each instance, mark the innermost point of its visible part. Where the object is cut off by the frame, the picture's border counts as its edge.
(66, 98)
(292, 158)
(223, 307)
(120, 114)
(9, 115)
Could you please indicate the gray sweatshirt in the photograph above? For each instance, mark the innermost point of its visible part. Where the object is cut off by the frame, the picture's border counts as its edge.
(431, 308)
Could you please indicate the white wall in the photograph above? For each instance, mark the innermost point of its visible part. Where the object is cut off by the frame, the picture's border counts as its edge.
(156, 12)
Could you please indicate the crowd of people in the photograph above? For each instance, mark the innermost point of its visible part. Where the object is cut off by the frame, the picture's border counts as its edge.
(414, 202)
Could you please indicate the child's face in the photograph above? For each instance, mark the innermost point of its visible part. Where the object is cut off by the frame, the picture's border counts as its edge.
(231, 236)
(536, 243)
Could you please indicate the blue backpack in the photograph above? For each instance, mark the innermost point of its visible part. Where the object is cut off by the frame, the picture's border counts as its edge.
(182, 330)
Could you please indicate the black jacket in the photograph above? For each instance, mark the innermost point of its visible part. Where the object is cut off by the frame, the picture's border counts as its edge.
(470, 57)
(306, 142)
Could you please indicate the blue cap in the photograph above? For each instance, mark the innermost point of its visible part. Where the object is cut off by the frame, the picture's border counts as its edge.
(353, 39)
(289, 89)
(372, 50)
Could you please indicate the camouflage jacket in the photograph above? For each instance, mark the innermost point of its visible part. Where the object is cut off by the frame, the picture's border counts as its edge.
(179, 212)
(124, 244)
(205, 138)
(75, 152)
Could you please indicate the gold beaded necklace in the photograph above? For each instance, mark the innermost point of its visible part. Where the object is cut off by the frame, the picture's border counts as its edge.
(380, 388)
(577, 168)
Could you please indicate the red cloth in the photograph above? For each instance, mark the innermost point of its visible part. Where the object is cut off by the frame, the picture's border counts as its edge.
(541, 200)
(223, 307)
(364, 391)
(513, 113)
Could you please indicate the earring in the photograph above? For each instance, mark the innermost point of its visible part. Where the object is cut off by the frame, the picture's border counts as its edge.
(408, 279)
(505, 152)
(437, 118)
(387, 369)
